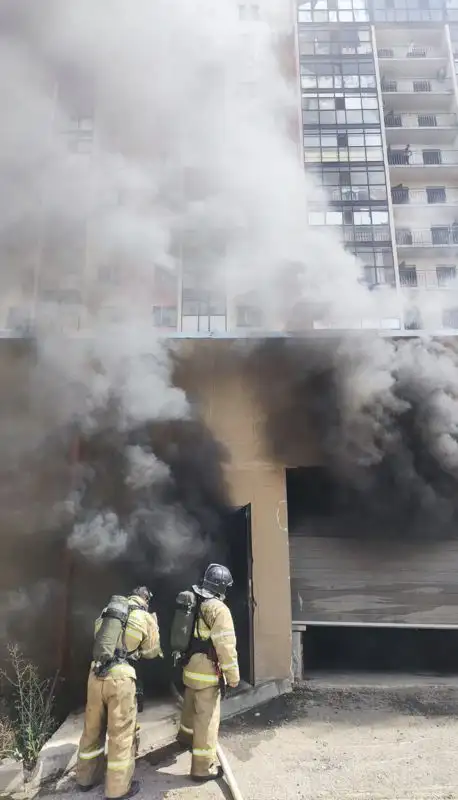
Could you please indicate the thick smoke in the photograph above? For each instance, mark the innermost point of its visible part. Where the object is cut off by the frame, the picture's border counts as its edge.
(140, 137)
(149, 136)
(381, 416)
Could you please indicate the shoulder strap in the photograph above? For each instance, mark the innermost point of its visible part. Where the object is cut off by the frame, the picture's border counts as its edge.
(131, 607)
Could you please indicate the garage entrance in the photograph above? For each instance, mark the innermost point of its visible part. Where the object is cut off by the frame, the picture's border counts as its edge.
(367, 603)
(92, 585)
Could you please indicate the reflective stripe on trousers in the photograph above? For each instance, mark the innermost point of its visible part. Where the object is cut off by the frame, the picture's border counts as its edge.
(199, 725)
(111, 708)
(92, 754)
(201, 677)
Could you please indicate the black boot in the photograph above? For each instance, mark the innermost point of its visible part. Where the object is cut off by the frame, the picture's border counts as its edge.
(134, 789)
(214, 775)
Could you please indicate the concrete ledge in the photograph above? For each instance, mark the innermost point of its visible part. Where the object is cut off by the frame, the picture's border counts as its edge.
(11, 777)
(58, 755)
(250, 696)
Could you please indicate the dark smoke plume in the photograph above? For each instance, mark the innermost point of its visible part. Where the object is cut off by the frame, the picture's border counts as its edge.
(381, 416)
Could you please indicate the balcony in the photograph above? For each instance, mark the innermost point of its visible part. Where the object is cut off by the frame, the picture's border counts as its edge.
(412, 277)
(404, 158)
(412, 60)
(416, 86)
(366, 234)
(431, 195)
(437, 237)
(424, 127)
(417, 94)
(412, 52)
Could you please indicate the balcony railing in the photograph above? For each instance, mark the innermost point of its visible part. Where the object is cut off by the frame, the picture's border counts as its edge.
(420, 120)
(417, 85)
(434, 195)
(430, 158)
(410, 51)
(366, 233)
(411, 277)
(437, 236)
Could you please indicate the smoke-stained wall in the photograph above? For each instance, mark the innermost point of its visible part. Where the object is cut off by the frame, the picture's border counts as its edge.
(220, 376)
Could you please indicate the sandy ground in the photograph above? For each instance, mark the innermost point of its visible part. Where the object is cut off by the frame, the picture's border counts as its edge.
(325, 744)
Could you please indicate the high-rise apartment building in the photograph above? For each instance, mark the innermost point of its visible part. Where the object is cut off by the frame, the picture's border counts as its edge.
(378, 88)
(379, 114)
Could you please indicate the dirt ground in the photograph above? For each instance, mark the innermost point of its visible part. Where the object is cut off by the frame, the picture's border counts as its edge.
(326, 744)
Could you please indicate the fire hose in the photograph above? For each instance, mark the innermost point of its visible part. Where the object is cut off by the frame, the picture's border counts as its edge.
(228, 774)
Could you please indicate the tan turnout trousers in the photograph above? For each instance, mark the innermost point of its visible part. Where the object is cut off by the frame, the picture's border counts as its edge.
(199, 726)
(111, 709)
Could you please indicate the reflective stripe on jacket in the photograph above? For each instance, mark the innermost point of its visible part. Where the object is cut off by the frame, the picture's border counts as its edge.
(215, 622)
(141, 637)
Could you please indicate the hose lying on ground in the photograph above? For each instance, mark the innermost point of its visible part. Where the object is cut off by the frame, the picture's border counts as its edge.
(228, 774)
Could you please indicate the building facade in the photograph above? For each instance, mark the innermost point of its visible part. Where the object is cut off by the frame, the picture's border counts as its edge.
(379, 114)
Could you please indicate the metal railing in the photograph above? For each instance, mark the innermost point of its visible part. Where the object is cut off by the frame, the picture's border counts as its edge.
(426, 119)
(402, 195)
(357, 194)
(411, 277)
(376, 233)
(437, 236)
(417, 85)
(410, 51)
(431, 158)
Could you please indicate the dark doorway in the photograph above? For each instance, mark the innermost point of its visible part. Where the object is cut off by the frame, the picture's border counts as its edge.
(240, 596)
(370, 649)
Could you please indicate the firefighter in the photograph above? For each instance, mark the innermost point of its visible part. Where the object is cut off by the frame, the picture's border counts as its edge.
(211, 663)
(111, 702)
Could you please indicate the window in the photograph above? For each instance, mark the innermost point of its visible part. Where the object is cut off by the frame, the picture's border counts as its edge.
(450, 318)
(400, 194)
(427, 121)
(165, 316)
(431, 157)
(445, 275)
(248, 316)
(340, 103)
(440, 234)
(436, 194)
(412, 320)
(342, 139)
(422, 86)
(408, 276)
(202, 310)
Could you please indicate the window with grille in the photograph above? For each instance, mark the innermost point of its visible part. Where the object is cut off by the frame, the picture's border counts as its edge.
(422, 86)
(440, 234)
(427, 121)
(432, 157)
(400, 194)
(408, 276)
(445, 275)
(436, 194)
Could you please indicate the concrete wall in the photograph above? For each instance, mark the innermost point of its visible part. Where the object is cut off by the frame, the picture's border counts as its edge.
(222, 387)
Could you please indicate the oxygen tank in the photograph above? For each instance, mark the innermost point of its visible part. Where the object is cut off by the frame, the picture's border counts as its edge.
(108, 639)
(183, 623)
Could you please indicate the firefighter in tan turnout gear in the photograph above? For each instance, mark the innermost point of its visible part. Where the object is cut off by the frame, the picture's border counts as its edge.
(209, 665)
(124, 632)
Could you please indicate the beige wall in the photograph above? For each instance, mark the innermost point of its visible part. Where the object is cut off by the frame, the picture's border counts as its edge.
(231, 413)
